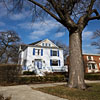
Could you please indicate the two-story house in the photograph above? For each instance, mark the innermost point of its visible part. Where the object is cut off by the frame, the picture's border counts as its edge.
(91, 63)
(42, 56)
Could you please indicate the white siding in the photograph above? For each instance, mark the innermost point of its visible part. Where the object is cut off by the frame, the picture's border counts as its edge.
(28, 55)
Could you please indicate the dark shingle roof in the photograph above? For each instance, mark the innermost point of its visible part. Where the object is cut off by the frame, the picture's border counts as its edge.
(35, 42)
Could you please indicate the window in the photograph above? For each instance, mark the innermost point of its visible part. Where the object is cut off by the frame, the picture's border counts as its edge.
(49, 45)
(42, 44)
(89, 57)
(54, 53)
(37, 51)
(54, 62)
(24, 64)
(46, 44)
(91, 66)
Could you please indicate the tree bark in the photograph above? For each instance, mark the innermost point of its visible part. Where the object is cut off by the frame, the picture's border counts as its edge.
(76, 68)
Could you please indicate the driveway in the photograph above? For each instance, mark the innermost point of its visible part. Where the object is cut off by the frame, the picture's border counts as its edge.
(25, 92)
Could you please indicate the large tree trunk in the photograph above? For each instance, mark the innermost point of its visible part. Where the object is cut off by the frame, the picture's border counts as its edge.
(76, 68)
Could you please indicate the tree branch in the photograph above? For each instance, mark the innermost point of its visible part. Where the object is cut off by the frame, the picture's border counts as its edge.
(94, 17)
(95, 11)
(44, 8)
(89, 9)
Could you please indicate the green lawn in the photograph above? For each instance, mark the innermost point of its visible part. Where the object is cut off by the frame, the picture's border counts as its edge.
(92, 93)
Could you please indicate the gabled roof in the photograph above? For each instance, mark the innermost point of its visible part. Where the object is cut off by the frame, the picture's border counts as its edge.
(39, 42)
(35, 42)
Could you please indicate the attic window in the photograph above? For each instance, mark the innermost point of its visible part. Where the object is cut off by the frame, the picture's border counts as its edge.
(42, 44)
(46, 44)
(49, 45)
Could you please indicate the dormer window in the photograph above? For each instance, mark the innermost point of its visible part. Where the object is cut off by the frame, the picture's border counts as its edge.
(42, 44)
(49, 45)
(89, 57)
(46, 44)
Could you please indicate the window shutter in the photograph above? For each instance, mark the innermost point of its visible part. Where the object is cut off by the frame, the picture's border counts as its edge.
(50, 62)
(33, 51)
(51, 52)
(59, 62)
(41, 52)
(58, 53)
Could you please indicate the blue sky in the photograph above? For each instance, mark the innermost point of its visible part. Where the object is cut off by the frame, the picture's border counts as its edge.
(30, 31)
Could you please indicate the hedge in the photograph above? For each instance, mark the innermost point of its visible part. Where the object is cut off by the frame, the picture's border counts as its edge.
(29, 73)
(42, 79)
(95, 76)
(9, 73)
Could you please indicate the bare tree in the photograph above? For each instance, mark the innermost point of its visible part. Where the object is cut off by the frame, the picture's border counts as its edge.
(96, 40)
(74, 15)
(9, 46)
(63, 46)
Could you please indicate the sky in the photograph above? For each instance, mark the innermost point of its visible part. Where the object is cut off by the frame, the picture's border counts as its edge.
(31, 31)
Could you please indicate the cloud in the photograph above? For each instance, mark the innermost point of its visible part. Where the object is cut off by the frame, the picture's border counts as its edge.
(20, 16)
(39, 28)
(59, 34)
(16, 16)
(87, 34)
(46, 25)
(2, 24)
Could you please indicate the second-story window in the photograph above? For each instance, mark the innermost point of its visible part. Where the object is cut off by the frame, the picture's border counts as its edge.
(54, 53)
(37, 52)
(89, 58)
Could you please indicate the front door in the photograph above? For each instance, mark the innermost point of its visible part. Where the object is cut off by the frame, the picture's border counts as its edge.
(38, 64)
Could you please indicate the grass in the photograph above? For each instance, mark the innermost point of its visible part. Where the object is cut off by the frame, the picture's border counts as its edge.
(91, 93)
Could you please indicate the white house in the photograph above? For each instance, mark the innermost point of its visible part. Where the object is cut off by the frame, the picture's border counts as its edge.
(42, 56)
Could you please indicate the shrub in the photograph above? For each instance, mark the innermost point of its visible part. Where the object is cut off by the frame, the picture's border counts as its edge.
(29, 73)
(42, 79)
(9, 73)
(92, 76)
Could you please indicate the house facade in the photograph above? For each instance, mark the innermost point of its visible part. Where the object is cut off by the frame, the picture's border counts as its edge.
(91, 62)
(42, 56)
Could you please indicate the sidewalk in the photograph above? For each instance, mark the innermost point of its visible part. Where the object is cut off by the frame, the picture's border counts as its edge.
(55, 84)
(25, 92)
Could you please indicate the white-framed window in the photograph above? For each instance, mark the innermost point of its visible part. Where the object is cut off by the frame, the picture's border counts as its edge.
(91, 66)
(46, 44)
(55, 62)
(54, 53)
(89, 57)
(37, 52)
(49, 45)
(42, 44)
